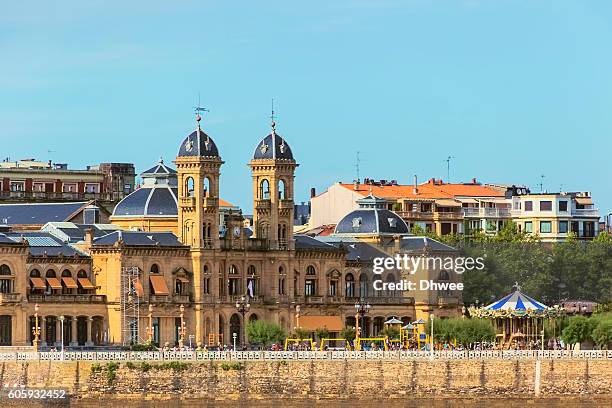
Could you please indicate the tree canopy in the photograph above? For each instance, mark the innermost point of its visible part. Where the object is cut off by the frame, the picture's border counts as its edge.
(265, 333)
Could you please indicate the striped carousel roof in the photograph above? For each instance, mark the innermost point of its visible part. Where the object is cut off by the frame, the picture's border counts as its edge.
(516, 301)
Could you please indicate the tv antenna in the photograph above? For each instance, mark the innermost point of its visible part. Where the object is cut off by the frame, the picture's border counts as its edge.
(541, 183)
(357, 161)
(448, 160)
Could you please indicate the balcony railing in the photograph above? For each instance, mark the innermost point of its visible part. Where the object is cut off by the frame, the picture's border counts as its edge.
(262, 204)
(438, 215)
(486, 212)
(159, 299)
(285, 204)
(314, 299)
(210, 202)
(10, 297)
(86, 298)
(59, 196)
(187, 202)
(415, 215)
(448, 300)
(591, 212)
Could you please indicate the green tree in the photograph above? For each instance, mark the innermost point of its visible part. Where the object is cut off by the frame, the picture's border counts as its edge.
(579, 329)
(348, 333)
(322, 333)
(602, 333)
(300, 333)
(390, 332)
(264, 332)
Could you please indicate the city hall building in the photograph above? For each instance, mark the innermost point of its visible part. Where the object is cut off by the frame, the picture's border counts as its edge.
(177, 264)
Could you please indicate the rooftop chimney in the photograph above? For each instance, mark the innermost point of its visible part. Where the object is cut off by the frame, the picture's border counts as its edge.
(474, 180)
(356, 185)
(313, 192)
(415, 190)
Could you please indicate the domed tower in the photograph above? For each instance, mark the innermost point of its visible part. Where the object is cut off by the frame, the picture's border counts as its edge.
(273, 168)
(198, 167)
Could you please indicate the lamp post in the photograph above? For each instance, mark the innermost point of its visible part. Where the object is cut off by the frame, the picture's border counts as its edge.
(182, 329)
(431, 346)
(297, 316)
(362, 308)
(150, 328)
(61, 319)
(234, 335)
(36, 329)
(243, 306)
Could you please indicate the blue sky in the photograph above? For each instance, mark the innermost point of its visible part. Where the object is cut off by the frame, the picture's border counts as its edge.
(511, 89)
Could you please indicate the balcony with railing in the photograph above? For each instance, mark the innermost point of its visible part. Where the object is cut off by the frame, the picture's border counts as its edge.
(67, 298)
(585, 212)
(314, 300)
(210, 202)
(187, 202)
(59, 196)
(262, 204)
(159, 299)
(486, 212)
(448, 301)
(448, 216)
(178, 298)
(10, 297)
(285, 204)
(415, 215)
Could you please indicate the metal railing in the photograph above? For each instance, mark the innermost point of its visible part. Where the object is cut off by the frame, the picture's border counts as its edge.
(10, 297)
(67, 298)
(487, 212)
(302, 355)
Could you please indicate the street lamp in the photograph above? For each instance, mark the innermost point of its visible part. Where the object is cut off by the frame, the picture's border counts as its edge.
(150, 328)
(61, 319)
(182, 329)
(362, 308)
(297, 316)
(36, 329)
(243, 306)
(431, 352)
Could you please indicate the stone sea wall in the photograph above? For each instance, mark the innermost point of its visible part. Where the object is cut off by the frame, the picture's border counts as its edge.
(317, 380)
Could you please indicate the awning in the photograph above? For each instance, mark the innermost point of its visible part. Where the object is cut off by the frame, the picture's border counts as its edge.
(38, 283)
(54, 283)
(312, 323)
(86, 283)
(584, 200)
(138, 287)
(69, 282)
(468, 200)
(159, 285)
(181, 279)
(394, 321)
(448, 203)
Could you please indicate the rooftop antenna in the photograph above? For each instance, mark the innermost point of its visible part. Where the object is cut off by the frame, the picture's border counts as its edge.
(448, 160)
(273, 118)
(357, 161)
(541, 183)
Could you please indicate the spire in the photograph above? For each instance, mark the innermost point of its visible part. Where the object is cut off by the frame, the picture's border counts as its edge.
(281, 147)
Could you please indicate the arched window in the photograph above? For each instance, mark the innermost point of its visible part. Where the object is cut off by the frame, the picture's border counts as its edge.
(154, 268)
(50, 274)
(66, 273)
(233, 283)
(35, 273)
(189, 187)
(281, 280)
(82, 274)
(349, 283)
(251, 271)
(252, 281)
(235, 328)
(206, 187)
(5, 284)
(264, 189)
(262, 230)
(281, 190)
(310, 284)
(363, 285)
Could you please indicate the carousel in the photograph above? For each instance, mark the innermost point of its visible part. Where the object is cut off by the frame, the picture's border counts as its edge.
(518, 319)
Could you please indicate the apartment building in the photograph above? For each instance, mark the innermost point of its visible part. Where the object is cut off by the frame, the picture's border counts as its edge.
(31, 180)
(552, 216)
(434, 206)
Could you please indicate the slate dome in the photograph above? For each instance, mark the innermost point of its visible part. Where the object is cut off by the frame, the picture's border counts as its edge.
(157, 197)
(371, 219)
(273, 146)
(198, 144)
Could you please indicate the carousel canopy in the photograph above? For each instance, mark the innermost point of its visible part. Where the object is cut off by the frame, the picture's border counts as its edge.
(393, 321)
(516, 301)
